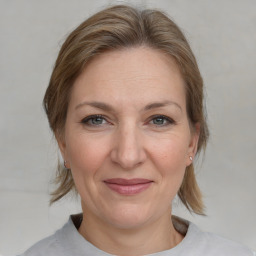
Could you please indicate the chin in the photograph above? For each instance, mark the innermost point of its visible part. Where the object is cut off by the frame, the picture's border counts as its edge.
(128, 217)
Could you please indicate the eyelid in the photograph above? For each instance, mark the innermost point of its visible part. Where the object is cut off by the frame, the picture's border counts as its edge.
(169, 119)
(88, 118)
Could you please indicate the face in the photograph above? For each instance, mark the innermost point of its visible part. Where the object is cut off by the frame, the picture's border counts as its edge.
(127, 137)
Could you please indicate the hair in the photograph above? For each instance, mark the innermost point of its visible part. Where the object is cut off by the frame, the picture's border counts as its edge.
(116, 28)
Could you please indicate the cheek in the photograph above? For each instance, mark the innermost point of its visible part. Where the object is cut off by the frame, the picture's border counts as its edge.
(85, 154)
(169, 158)
(171, 154)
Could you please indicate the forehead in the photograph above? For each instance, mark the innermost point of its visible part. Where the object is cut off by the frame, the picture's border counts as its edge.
(129, 75)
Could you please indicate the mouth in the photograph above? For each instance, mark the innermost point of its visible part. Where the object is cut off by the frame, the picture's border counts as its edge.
(128, 186)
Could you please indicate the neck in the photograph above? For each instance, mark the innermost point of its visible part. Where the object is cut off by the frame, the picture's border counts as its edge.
(156, 236)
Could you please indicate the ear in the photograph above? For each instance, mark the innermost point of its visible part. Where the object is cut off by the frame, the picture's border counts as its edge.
(62, 146)
(192, 149)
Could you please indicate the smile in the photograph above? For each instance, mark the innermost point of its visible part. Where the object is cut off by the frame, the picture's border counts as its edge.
(128, 186)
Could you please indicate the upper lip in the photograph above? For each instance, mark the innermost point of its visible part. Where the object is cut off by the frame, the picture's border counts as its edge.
(121, 181)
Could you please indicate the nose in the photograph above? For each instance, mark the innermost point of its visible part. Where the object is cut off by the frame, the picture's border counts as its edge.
(128, 149)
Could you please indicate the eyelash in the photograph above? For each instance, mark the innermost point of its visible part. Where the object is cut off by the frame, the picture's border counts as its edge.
(88, 119)
(169, 120)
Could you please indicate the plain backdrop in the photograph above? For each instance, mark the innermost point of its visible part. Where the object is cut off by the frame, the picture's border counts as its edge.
(223, 36)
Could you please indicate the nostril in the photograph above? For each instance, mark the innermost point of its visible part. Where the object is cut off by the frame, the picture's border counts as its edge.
(128, 159)
(128, 150)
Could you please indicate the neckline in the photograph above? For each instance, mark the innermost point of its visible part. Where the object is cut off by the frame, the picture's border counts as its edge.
(71, 240)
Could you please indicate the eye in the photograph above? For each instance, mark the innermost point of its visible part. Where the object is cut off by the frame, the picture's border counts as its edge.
(160, 120)
(94, 120)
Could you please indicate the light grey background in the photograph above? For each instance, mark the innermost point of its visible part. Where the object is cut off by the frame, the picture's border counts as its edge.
(222, 34)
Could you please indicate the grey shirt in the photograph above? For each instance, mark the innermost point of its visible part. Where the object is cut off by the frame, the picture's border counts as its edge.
(67, 241)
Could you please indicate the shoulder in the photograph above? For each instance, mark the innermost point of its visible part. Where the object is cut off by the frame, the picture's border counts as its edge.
(66, 241)
(211, 244)
(48, 246)
(221, 246)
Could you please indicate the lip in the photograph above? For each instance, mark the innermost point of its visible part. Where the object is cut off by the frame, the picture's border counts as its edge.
(128, 186)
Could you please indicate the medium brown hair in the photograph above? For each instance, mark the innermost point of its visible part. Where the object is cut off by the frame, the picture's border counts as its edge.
(118, 27)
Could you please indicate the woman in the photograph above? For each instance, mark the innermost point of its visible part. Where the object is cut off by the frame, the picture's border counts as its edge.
(125, 102)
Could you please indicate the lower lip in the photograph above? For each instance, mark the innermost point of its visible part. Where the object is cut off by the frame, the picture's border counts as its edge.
(128, 189)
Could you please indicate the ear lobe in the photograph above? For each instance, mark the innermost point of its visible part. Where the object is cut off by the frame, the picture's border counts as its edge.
(62, 145)
(194, 141)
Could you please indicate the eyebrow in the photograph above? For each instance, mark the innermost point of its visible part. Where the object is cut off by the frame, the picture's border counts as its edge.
(107, 107)
(161, 104)
(96, 104)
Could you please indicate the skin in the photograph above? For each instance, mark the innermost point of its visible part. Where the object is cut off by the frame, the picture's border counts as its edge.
(128, 141)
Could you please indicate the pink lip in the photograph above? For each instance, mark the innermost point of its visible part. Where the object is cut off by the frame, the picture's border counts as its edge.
(128, 186)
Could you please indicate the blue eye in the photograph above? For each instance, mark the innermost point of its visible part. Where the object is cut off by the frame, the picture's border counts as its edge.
(94, 120)
(161, 120)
